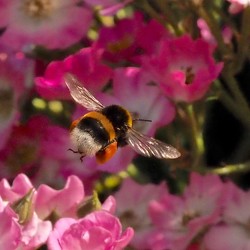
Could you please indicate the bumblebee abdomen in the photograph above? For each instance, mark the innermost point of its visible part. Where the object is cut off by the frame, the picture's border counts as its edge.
(95, 129)
(92, 132)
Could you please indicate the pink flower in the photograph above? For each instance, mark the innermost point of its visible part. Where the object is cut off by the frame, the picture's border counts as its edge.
(206, 34)
(54, 24)
(17, 161)
(178, 220)
(20, 187)
(64, 202)
(43, 147)
(86, 65)
(235, 222)
(130, 90)
(10, 231)
(108, 7)
(238, 5)
(129, 38)
(98, 230)
(205, 31)
(234, 237)
(25, 142)
(26, 237)
(15, 72)
(150, 35)
(22, 215)
(34, 233)
(28, 230)
(132, 208)
(204, 193)
(119, 41)
(131, 86)
(109, 204)
(184, 68)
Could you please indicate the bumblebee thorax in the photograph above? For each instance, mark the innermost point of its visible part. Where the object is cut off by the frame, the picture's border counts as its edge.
(118, 116)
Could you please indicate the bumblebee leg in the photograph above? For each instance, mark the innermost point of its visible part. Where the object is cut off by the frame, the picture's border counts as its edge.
(81, 158)
(74, 151)
(77, 152)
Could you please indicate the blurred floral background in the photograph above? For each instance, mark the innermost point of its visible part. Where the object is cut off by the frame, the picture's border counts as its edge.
(185, 65)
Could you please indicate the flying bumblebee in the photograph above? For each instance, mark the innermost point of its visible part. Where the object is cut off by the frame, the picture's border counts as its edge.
(102, 130)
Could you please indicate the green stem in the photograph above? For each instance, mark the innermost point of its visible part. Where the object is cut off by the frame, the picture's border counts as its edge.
(143, 4)
(196, 137)
(230, 104)
(236, 103)
(170, 15)
(230, 169)
(243, 44)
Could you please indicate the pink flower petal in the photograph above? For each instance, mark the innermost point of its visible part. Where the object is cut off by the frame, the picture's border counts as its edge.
(234, 237)
(98, 230)
(86, 65)
(184, 68)
(62, 19)
(60, 226)
(109, 204)
(63, 202)
(35, 233)
(133, 201)
(20, 187)
(179, 219)
(10, 232)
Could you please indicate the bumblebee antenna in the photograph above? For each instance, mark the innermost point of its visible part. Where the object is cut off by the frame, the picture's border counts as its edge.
(142, 120)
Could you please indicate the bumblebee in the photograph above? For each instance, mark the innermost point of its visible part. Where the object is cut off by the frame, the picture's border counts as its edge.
(103, 129)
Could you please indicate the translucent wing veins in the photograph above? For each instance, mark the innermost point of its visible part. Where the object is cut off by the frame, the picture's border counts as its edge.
(149, 146)
(80, 94)
(142, 144)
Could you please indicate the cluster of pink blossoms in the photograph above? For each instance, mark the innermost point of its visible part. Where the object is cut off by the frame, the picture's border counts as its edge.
(163, 67)
(159, 64)
(150, 70)
(238, 5)
(210, 214)
(44, 23)
(27, 214)
(207, 209)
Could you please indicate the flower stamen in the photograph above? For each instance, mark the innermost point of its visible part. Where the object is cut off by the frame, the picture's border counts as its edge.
(38, 8)
(189, 75)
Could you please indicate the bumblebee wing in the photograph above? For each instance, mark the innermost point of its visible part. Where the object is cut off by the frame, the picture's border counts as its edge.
(81, 95)
(149, 146)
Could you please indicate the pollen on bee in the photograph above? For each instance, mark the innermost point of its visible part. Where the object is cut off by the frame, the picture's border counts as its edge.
(103, 156)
